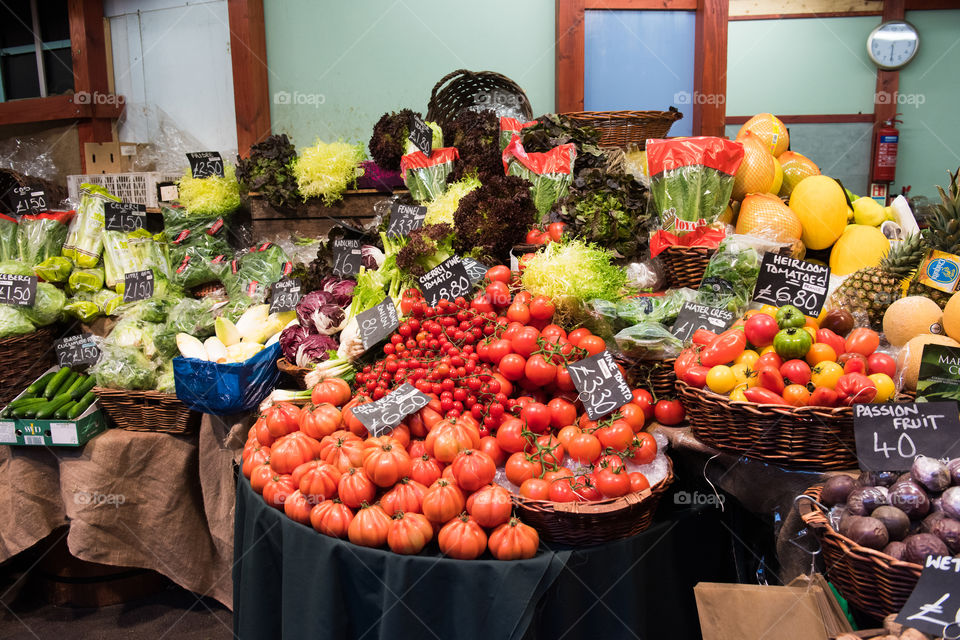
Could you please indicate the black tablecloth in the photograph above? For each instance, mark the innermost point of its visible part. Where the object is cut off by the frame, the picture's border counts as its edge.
(291, 582)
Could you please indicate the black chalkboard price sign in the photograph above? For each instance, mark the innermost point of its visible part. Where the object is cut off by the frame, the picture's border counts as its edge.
(381, 416)
(933, 607)
(284, 295)
(890, 435)
(405, 218)
(784, 280)
(204, 164)
(378, 323)
(24, 201)
(600, 385)
(476, 271)
(347, 257)
(18, 290)
(124, 216)
(421, 135)
(137, 285)
(698, 316)
(446, 281)
(76, 351)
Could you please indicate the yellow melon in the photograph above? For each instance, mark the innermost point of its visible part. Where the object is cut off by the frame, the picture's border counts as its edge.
(770, 129)
(796, 167)
(822, 208)
(757, 171)
(909, 317)
(908, 360)
(859, 246)
(951, 316)
(764, 215)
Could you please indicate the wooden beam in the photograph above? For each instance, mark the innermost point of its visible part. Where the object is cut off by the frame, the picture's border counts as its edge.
(710, 67)
(816, 118)
(888, 82)
(646, 5)
(63, 107)
(931, 5)
(740, 9)
(570, 53)
(251, 92)
(787, 16)
(88, 50)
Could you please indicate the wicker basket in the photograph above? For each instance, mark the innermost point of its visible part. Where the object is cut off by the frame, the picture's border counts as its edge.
(656, 375)
(870, 580)
(147, 411)
(586, 523)
(23, 359)
(299, 374)
(808, 438)
(684, 266)
(477, 90)
(622, 128)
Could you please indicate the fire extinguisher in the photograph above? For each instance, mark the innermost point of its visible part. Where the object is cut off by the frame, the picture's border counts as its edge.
(885, 154)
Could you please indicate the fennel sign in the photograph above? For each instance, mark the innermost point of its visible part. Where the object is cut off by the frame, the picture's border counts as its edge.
(381, 416)
(785, 280)
(446, 281)
(405, 219)
(890, 435)
(378, 323)
(600, 384)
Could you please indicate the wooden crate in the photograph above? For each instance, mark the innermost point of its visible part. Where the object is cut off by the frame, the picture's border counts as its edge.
(313, 218)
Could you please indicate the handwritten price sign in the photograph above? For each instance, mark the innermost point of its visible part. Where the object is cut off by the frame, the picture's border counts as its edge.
(381, 416)
(601, 386)
(446, 281)
(784, 280)
(378, 323)
(204, 164)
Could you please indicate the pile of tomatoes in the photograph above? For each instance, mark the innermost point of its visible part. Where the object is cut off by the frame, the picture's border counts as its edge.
(501, 398)
(779, 356)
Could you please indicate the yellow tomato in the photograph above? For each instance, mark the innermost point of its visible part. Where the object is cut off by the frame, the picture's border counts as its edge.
(721, 379)
(826, 374)
(740, 372)
(767, 349)
(769, 309)
(812, 322)
(748, 357)
(885, 387)
(753, 379)
(820, 352)
(737, 394)
(812, 332)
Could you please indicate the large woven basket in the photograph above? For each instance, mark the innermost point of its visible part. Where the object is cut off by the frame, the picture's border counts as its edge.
(622, 128)
(587, 523)
(684, 266)
(23, 359)
(299, 374)
(870, 580)
(656, 375)
(809, 438)
(477, 90)
(147, 411)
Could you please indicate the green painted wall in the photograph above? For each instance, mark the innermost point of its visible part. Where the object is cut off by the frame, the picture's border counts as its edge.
(346, 63)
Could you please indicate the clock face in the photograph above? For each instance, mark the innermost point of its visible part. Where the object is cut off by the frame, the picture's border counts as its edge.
(893, 44)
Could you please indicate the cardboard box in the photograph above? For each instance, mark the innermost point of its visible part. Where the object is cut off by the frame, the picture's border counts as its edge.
(54, 432)
(111, 157)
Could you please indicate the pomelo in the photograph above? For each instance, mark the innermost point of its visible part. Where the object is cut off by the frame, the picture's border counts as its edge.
(764, 215)
(758, 170)
(822, 208)
(770, 129)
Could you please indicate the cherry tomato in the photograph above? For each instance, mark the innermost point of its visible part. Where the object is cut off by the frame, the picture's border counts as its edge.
(499, 273)
(669, 412)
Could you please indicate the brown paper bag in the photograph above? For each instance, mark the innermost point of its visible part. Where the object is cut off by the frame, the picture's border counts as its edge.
(756, 612)
(834, 619)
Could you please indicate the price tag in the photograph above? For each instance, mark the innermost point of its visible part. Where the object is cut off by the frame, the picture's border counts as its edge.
(204, 164)
(934, 606)
(889, 436)
(24, 201)
(137, 285)
(405, 218)
(75, 351)
(284, 295)
(476, 271)
(939, 374)
(446, 281)
(124, 216)
(421, 135)
(698, 316)
(600, 385)
(18, 290)
(381, 416)
(784, 280)
(346, 257)
(378, 323)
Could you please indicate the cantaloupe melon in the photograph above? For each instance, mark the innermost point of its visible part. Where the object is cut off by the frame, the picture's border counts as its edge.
(770, 129)
(822, 208)
(908, 360)
(910, 317)
(951, 316)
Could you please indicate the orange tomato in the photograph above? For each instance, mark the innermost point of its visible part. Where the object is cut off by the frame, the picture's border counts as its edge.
(820, 352)
(796, 395)
(812, 322)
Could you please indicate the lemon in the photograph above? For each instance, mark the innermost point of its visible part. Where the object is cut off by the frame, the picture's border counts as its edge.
(868, 211)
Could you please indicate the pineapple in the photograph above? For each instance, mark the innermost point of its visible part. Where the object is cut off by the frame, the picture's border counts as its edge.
(868, 292)
(942, 234)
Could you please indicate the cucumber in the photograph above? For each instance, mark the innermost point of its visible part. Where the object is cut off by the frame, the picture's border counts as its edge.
(84, 388)
(58, 379)
(73, 377)
(62, 411)
(28, 411)
(49, 408)
(80, 379)
(39, 385)
(22, 401)
(77, 410)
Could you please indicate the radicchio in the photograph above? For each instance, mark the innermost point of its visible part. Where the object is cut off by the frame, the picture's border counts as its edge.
(314, 349)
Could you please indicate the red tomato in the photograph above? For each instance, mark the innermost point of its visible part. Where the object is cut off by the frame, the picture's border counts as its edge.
(617, 435)
(540, 371)
(696, 376)
(724, 349)
(584, 448)
(490, 446)
(769, 359)
(863, 341)
(644, 399)
(823, 397)
(770, 378)
(518, 312)
(638, 481)
(669, 412)
(760, 329)
(689, 357)
(763, 396)
(562, 491)
(556, 229)
(564, 381)
(535, 236)
(567, 433)
(633, 415)
(703, 337)
(521, 467)
(827, 336)
(577, 334)
(499, 273)
(882, 363)
(512, 366)
(535, 489)
(498, 349)
(796, 371)
(551, 330)
(643, 449)
(853, 362)
(481, 303)
(612, 483)
(541, 308)
(537, 417)
(562, 413)
(524, 341)
(593, 344)
(548, 449)
(498, 292)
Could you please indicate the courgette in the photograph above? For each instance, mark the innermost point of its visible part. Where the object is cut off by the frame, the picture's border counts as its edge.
(49, 408)
(55, 382)
(62, 411)
(77, 410)
(39, 385)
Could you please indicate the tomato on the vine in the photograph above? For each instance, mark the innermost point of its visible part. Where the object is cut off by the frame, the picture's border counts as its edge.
(499, 273)
(592, 344)
(669, 412)
(540, 371)
(643, 449)
(537, 417)
(644, 399)
(578, 334)
(584, 448)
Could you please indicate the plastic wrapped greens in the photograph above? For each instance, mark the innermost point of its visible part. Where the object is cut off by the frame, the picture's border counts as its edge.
(8, 238)
(730, 276)
(130, 332)
(84, 241)
(42, 235)
(86, 280)
(191, 228)
(82, 307)
(14, 322)
(253, 273)
(137, 251)
(54, 269)
(47, 305)
(194, 266)
(165, 378)
(663, 309)
(107, 301)
(14, 268)
(426, 176)
(549, 173)
(124, 367)
(648, 341)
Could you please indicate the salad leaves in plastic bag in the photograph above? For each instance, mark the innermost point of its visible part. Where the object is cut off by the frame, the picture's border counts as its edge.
(124, 367)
